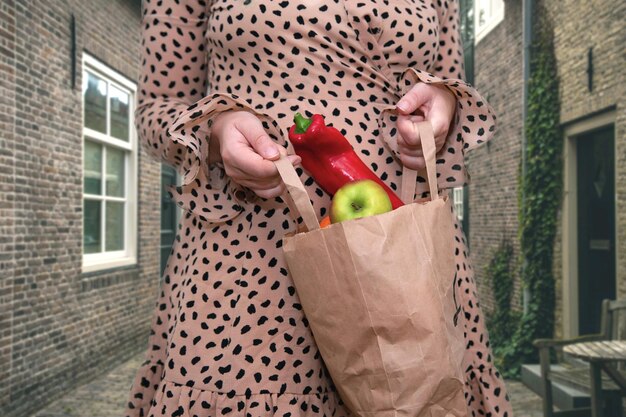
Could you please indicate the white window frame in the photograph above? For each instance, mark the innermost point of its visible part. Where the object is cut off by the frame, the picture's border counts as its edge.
(457, 199)
(128, 256)
(494, 15)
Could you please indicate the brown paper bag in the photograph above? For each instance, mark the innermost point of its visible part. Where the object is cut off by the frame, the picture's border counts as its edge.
(378, 293)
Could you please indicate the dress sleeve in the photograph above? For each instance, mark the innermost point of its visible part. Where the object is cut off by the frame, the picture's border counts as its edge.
(174, 114)
(173, 76)
(449, 62)
(474, 122)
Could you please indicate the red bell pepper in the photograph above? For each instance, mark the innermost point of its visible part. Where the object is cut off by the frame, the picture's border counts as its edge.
(328, 156)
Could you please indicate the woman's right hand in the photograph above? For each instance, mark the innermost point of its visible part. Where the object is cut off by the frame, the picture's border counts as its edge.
(247, 152)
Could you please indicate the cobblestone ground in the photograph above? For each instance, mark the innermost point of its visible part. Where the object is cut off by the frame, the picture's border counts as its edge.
(525, 402)
(107, 394)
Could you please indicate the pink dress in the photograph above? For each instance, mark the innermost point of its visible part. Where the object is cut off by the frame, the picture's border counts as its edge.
(229, 336)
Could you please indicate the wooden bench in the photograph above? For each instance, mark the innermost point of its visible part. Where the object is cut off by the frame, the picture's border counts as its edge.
(574, 372)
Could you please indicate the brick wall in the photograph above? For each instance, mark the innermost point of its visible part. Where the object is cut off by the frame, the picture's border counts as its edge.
(59, 327)
(499, 77)
(578, 26)
(7, 187)
(494, 166)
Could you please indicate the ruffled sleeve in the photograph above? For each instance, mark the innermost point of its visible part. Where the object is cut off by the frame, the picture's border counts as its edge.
(173, 118)
(474, 120)
(169, 84)
(207, 191)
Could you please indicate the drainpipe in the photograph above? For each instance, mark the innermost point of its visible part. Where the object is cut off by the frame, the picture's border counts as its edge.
(528, 31)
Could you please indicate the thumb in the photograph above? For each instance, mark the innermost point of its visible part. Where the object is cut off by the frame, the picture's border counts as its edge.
(413, 99)
(259, 140)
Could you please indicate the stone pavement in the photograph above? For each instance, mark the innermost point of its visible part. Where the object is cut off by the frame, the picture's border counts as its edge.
(107, 395)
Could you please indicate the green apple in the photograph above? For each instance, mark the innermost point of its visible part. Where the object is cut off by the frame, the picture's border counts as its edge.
(357, 199)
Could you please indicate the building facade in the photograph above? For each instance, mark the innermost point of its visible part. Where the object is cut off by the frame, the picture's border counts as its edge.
(590, 246)
(80, 203)
(589, 39)
(494, 167)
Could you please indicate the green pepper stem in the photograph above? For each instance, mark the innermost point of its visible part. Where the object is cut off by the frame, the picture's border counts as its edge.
(302, 123)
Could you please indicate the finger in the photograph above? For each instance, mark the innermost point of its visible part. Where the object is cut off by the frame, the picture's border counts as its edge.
(244, 158)
(258, 139)
(440, 130)
(243, 162)
(274, 183)
(408, 131)
(416, 163)
(412, 117)
(440, 142)
(264, 184)
(440, 122)
(441, 112)
(259, 171)
(409, 150)
(271, 182)
(295, 160)
(270, 193)
(413, 99)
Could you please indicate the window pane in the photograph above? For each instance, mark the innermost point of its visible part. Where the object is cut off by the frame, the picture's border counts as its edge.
(95, 99)
(115, 172)
(119, 113)
(458, 202)
(93, 168)
(483, 14)
(467, 34)
(115, 226)
(92, 242)
(168, 206)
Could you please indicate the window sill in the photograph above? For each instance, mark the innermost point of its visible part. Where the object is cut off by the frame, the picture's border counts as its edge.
(96, 266)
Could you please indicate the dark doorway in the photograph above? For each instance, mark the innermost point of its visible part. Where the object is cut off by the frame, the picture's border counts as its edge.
(596, 225)
(169, 216)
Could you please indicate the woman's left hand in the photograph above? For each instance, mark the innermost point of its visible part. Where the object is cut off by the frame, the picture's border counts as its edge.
(431, 102)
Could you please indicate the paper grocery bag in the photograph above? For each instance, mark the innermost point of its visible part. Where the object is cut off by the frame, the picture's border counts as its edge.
(379, 294)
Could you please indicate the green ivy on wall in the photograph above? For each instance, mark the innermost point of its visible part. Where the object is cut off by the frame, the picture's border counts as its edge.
(542, 191)
(501, 321)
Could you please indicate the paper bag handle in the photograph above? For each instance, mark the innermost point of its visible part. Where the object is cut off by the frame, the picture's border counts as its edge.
(409, 176)
(297, 193)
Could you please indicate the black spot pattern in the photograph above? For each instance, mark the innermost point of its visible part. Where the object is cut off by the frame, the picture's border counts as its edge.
(228, 334)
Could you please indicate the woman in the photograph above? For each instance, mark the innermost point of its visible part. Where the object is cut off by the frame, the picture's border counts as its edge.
(228, 333)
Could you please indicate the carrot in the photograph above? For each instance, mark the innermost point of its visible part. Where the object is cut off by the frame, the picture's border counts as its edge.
(325, 222)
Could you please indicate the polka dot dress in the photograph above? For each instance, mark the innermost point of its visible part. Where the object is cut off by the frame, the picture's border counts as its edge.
(229, 337)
